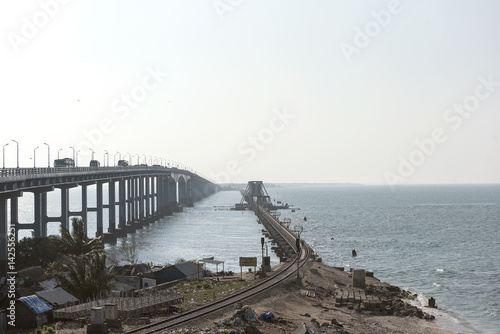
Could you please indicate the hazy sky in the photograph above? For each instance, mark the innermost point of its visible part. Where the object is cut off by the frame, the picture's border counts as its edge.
(377, 92)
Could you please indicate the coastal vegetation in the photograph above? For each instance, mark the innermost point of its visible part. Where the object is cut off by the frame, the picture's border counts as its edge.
(80, 267)
(198, 292)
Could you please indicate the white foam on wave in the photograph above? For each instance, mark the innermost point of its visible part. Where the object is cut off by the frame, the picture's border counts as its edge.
(443, 319)
(436, 284)
(440, 270)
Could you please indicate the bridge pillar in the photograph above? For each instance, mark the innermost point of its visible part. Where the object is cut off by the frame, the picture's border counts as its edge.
(112, 207)
(99, 229)
(154, 196)
(129, 201)
(172, 191)
(44, 221)
(5, 229)
(65, 206)
(84, 211)
(141, 197)
(38, 219)
(122, 209)
(4, 235)
(14, 214)
(182, 191)
(147, 198)
(130, 205)
(165, 208)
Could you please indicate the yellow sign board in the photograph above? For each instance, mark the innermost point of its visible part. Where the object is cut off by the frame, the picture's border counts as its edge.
(248, 262)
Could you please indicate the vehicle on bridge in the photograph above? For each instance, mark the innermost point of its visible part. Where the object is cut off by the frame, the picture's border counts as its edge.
(123, 163)
(66, 162)
(94, 163)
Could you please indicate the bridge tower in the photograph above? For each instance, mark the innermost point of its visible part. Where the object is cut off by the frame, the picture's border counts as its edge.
(256, 193)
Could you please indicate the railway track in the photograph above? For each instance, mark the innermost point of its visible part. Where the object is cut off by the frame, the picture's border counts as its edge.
(289, 270)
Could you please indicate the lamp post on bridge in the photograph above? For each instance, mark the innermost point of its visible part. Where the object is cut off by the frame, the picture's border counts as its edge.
(71, 147)
(34, 157)
(138, 157)
(104, 159)
(119, 156)
(92, 158)
(48, 154)
(4, 155)
(59, 150)
(17, 152)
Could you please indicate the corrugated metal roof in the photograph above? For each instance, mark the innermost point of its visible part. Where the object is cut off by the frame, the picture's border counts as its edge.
(188, 268)
(57, 296)
(36, 304)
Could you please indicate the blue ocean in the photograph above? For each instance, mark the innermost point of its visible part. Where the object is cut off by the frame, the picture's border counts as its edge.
(440, 241)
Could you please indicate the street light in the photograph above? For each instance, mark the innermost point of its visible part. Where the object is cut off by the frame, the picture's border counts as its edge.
(71, 147)
(92, 153)
(59, 150)
(34, 157)
(17, 152)
(104, 159)
(138, 157)
(48, 154)
(4, 155)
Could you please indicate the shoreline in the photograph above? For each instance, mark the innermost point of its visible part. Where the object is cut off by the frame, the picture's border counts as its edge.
(312, 302)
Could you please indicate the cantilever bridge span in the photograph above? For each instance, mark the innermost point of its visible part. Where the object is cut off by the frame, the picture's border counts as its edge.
(136, 195)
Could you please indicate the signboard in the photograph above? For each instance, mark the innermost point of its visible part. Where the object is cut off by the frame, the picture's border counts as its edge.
(248, 262)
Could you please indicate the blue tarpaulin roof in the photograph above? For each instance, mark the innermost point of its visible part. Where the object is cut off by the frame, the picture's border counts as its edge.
(37, 304)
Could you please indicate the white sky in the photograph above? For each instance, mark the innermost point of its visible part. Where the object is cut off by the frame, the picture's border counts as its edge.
(227, 68)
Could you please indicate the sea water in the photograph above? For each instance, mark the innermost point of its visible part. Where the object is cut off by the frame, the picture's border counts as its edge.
(438, 241)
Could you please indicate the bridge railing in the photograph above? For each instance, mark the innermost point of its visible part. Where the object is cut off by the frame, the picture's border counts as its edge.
(8, 172)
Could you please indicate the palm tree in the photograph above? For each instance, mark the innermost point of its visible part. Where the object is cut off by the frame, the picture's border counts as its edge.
(81, 268)
(76, 242)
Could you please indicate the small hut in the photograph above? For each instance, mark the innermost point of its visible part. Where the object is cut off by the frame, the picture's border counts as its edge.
(32, 311)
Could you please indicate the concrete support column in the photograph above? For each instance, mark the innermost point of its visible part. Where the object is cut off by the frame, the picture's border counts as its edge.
(38, 219)
(14, 215)
(166, 195)
(147, 197)
(84, 208)
(111, 207)
(182, 191)
(154, 195)
(65, 207)
(100, 229)
(159, 194)
(130, 211)
(44, 221)
(3, 236)
(122, 204)
(172, 192)
(141, 198)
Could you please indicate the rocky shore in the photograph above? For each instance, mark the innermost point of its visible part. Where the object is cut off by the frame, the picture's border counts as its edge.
(311, 305)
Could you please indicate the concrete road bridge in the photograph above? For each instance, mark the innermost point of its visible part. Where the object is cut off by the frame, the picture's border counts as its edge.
(136, 195)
